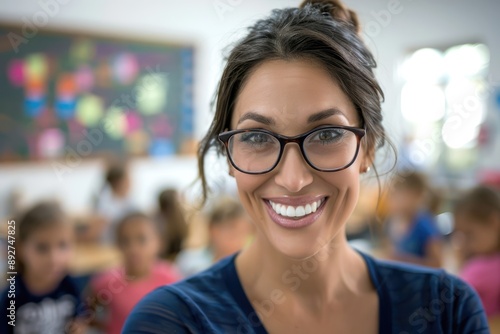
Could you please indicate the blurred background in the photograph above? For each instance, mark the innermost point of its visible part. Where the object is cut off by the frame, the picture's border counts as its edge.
(102, 104)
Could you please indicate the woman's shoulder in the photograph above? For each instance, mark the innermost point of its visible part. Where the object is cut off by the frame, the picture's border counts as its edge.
(422, 299)
(399, 276)
(185, 306)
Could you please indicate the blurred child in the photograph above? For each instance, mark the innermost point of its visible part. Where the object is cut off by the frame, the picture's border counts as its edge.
(114, 201)
(477, 228)
(412, 230)
(46, 299)
(118, 290)
(172, 223)
(229, 231)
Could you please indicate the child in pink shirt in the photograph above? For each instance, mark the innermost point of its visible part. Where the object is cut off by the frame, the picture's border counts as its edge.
(477, 223)
(118, 290)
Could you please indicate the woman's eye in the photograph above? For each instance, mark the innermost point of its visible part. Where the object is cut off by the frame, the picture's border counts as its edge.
(255, 138)
(328, 135)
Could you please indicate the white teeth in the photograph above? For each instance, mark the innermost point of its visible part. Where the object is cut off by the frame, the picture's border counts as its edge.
(299, 211)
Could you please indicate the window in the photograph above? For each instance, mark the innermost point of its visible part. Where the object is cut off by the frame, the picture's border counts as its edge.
(443, 101)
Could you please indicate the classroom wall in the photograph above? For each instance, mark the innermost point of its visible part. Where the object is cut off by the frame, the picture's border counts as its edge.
(392, 29)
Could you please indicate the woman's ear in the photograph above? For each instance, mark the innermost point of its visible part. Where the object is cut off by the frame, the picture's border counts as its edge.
(368, 158)
(230, 168)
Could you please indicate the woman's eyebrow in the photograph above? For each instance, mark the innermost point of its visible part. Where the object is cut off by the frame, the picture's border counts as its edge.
(324, 114)
(257, 117)
(251, 115)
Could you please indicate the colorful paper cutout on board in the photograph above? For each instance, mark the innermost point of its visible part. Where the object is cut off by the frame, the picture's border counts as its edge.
(36, 66)
(161, 147)
(76, 131)
(46, 118)
(15, 72)
(46, 85)
(84, 78)
(89, 110)
(125, 68)
(50, 143)
(152, 92)
(134, 121)
(137, 142)
(65, 107)
(66, 85)
(82, 51)
(35, 87)
(34, 105)
(103, 75)
(115, 123)
(161, 127)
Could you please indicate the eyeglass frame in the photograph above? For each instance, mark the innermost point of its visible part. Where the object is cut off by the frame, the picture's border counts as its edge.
(224, 138)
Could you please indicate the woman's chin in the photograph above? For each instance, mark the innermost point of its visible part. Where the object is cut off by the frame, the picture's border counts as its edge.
(297, 251)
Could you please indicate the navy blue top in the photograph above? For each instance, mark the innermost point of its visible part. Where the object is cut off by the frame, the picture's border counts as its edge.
(47, 313)
(411, 300)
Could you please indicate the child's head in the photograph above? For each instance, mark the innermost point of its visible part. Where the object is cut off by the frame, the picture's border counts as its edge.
(477, 220)
(407, 194)
(45, 239)
(137, 238)
(229, 227)
(118, 179)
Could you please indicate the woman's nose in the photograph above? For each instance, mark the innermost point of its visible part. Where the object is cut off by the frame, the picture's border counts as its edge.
(293, 172)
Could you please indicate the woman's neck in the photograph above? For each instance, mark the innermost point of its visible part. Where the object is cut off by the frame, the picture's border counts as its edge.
(336, 271)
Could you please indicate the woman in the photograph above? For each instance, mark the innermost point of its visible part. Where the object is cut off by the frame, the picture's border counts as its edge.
(298, 116)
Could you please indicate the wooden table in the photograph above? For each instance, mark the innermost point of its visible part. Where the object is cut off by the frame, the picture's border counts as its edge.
(91, 258)
(494, 325)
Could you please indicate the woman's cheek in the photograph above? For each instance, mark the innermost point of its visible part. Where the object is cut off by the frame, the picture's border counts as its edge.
(247, 187)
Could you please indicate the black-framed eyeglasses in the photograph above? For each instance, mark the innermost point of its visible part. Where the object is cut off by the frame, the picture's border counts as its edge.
(326, 149)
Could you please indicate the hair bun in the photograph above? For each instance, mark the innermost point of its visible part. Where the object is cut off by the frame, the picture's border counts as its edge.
(337, 11)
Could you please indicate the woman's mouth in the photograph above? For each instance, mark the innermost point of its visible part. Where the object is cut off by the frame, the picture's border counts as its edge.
(295, 213)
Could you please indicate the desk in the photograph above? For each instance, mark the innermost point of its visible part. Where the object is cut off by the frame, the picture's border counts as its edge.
(91, 258)
(494, 325)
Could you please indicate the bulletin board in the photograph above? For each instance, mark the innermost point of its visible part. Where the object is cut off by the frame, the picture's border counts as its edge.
(65, 93)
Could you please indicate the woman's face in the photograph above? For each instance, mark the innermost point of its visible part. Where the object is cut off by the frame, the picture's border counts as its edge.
(290, 98)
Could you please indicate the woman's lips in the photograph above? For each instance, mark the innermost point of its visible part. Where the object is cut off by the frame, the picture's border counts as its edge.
(304, 213)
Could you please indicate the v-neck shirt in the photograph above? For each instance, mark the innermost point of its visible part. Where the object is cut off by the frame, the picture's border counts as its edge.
(412, 299)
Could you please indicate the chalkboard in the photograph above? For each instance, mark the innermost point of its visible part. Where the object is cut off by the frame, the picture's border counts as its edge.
(65, 93)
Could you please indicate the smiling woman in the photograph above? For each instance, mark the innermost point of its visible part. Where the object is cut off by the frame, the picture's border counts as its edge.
(298, 115)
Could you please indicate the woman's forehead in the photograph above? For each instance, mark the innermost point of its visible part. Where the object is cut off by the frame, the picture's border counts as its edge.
(291, 91)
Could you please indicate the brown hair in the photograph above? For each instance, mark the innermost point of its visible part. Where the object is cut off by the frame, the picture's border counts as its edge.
(173, 216)
(225, 209)
(480, 202)
(41, 216)
(322, 31)
(115, 173)
(412, 181)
